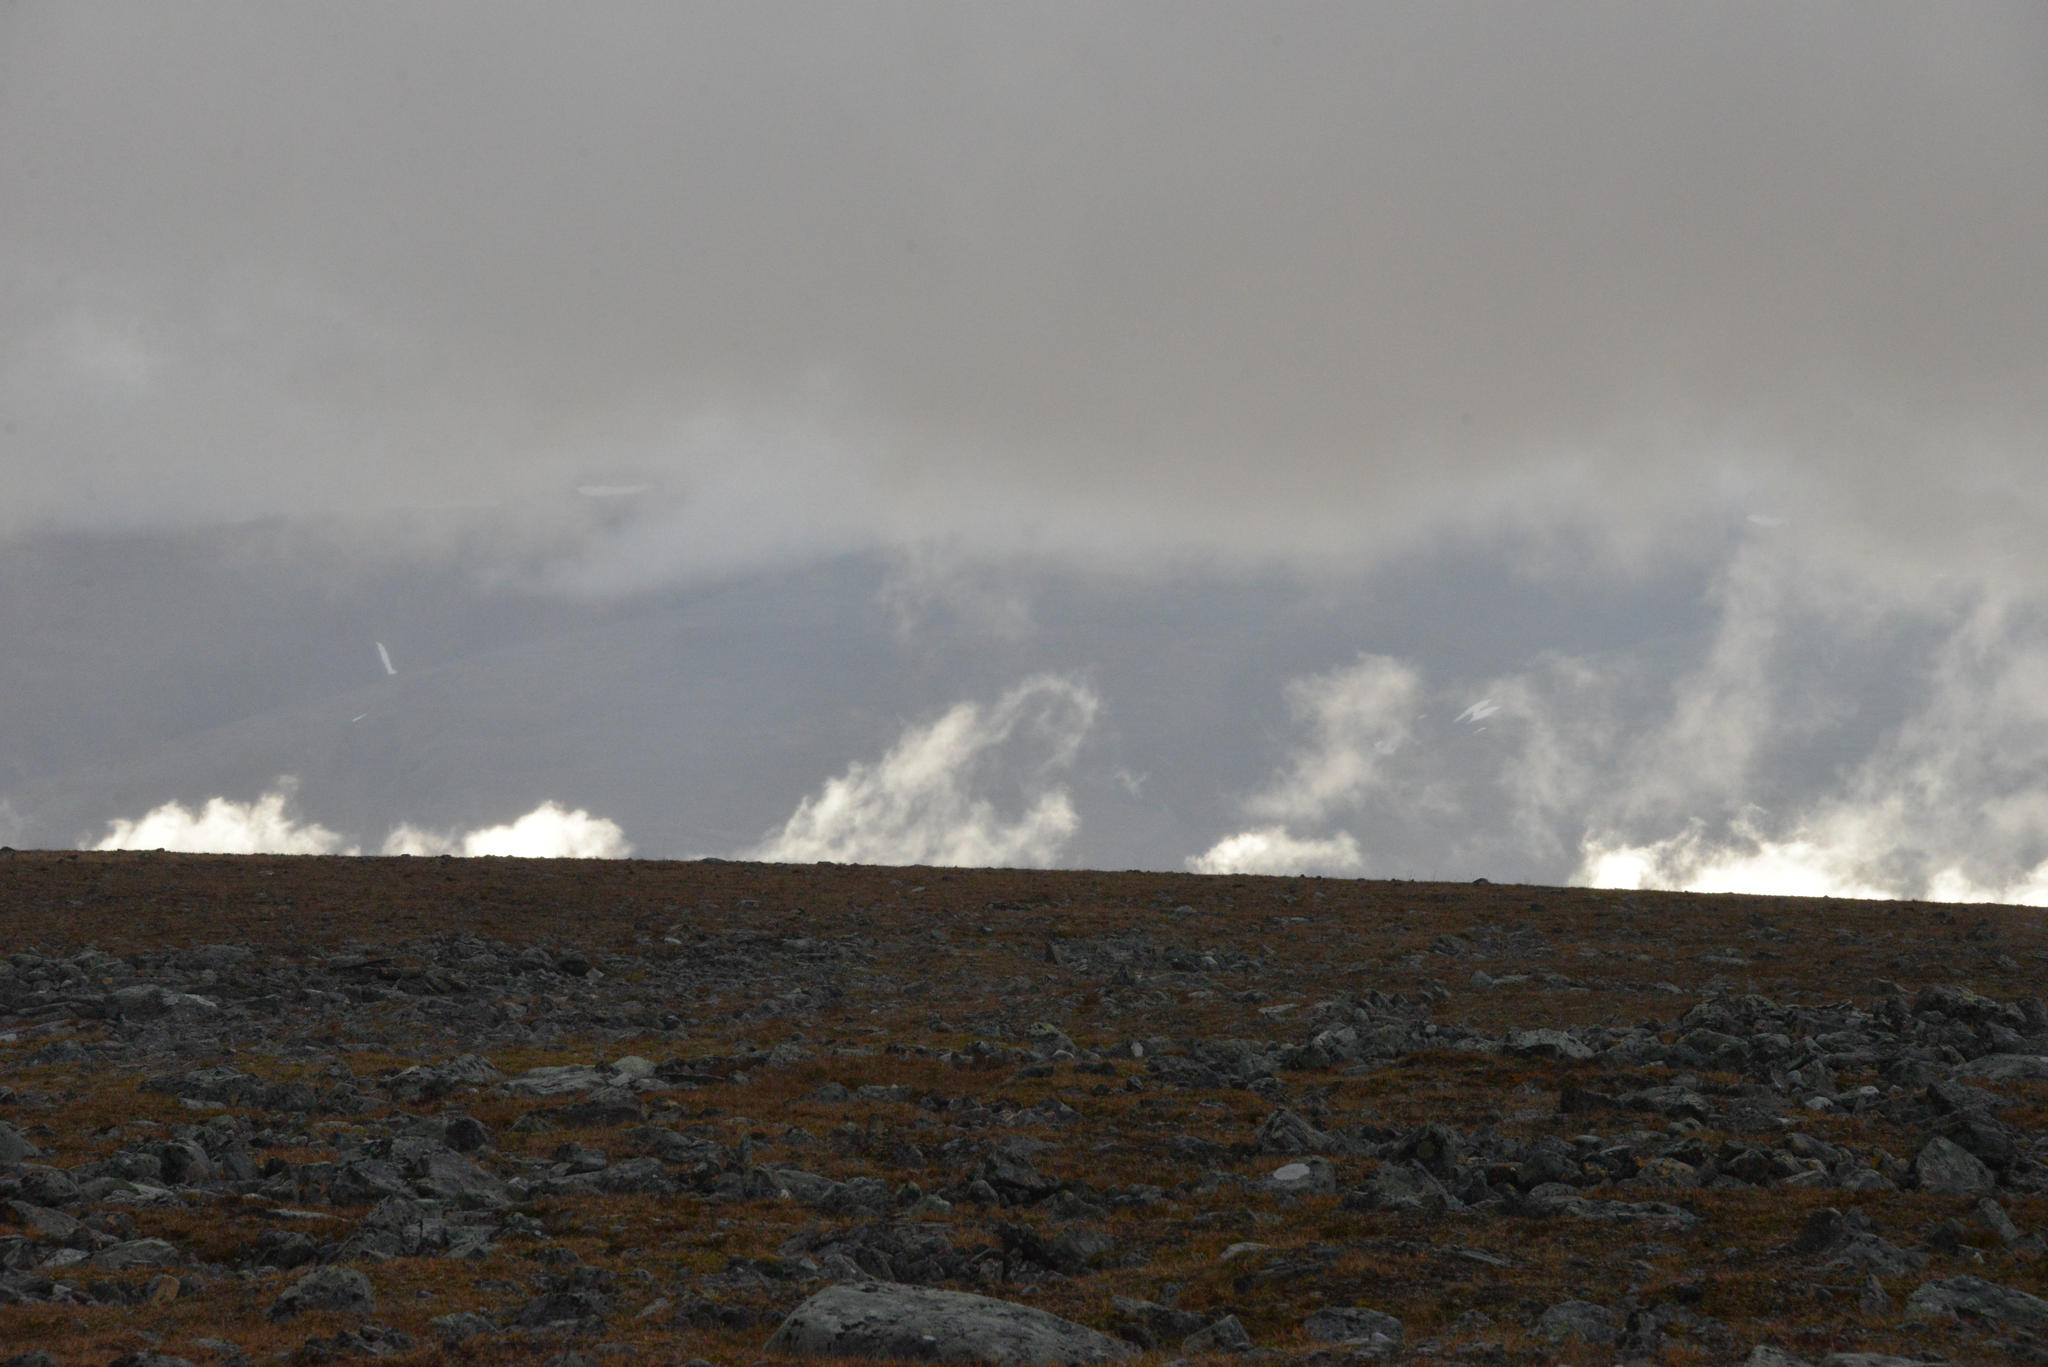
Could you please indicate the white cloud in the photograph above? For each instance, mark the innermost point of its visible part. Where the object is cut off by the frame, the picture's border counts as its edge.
(1357, 718)
(1946, 800)
(224, 826)
(1828, 862)
(268, 825)
(926, 801)
(1953, 885)
(1846, 856)
(546, 832)
(1272, 850)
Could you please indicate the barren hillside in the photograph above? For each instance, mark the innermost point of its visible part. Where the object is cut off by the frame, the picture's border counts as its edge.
(414, 1110)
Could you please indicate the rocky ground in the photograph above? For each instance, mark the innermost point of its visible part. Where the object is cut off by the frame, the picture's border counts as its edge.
(418, 1110)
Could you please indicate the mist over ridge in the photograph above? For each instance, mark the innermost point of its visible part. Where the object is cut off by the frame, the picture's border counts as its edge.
(1566, 444)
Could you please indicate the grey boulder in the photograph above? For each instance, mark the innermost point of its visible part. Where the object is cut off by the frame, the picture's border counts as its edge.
(1404, 1186)
(1976, 1297)
(1763, 1355)
(333, 1287)
(135, 1253)
(884, 1320)
(1946, 1168)
(1595, 1324)
(1552, 1044)
(2005, 1068)
(1226, 1335)
(445, 1175)
(557, 1080)
(1345, 1324)
(1286, 1132)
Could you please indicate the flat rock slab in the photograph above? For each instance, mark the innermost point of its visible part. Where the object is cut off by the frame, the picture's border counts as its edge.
(1980, 1299)
(884, 1320)
(2005, 1068)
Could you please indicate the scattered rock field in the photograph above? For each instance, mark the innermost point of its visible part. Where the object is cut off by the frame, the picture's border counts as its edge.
(327, 1110)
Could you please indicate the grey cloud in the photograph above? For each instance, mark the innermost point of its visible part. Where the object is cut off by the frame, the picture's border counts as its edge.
(1273, 281)
(688, 396)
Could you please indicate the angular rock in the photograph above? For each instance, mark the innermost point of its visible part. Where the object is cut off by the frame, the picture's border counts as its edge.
(1763, 1355)
(14, 1146)
(45, 1186)
(462, 1326)
(1551, 1044)
(1152, 1325)
(1011, 1174)
(1345, 1324)
(42, 1223)
(1992, 1216)
(1225, 1335)
(1555, 1199)
(1594, 1324)
(1077, 1248)
(1978, 1298)
(557, 1080)
(447, 1176)
(2005, 1068)
(136, 1253)
(147, 1001)
(365, 1181)
(878, 1320)
(1403, 1186)
(1946, 1168)
(1286, 1132)
(466, 1134)
(602, 1108)
(334, 1287)
(637, 1177)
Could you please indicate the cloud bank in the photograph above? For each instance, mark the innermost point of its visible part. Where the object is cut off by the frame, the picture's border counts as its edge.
(1829, 738)
(224, 826)
(927, 801)
(546, 832)
(1271, 849)
(268, 825)
(1292, 281)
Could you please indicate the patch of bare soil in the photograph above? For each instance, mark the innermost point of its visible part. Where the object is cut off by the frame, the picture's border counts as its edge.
(491, 1111)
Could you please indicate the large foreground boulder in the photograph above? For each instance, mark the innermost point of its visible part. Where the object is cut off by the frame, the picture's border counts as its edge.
(884, 1320)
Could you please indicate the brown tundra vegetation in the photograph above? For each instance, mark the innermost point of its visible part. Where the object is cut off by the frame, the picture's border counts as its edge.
(314, 1110)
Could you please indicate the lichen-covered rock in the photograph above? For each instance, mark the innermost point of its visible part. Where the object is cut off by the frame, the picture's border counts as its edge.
(879, 1320)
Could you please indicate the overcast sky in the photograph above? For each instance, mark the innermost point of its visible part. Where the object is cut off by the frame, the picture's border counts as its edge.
(1592, 441)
